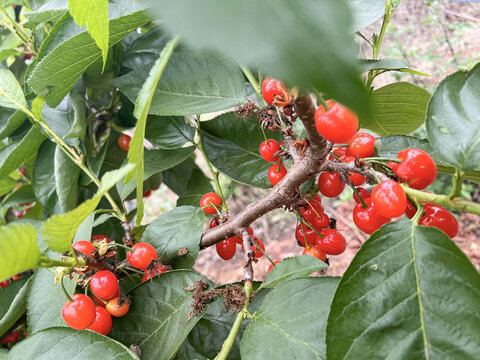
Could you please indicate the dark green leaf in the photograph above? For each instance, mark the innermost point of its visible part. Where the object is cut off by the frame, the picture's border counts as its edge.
(409, 293)
(303, 43)
(168, 132)
(66, 343)
(398, 108)
(291, 322)
(13, 301)
(179, 228)
(22, 195)
(292, 268)
(10, 121)
(193, 83)
(232, 145)
(159, 316)
(453, 125)
(365, 12)
(66, 180)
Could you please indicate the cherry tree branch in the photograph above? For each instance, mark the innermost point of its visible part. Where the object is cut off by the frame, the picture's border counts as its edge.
(249, 255)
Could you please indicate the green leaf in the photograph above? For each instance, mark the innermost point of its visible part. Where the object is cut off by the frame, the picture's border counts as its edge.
(387, 65)
(305, 43)
(14, 155)
(193, 83)
(365, 12)
(49, 11)
(292, 268)
(13, 301)
(7, 185)
(398, 108)
(66, 343)
(22, 195)
(179, 228)
(390, 146)
(18, 249)
(142, 107)
(45, 301)
(231, 144)
(169, 132)
(453, 125)
(159, 316)
(11, 93)
(10, 121)
(94, 14)
(291, 322)
(410, 292)
(59, 230)
(60, 62)
(66, 180)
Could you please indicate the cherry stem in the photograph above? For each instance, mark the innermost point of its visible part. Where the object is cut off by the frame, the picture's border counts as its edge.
(303, 229)
(323, 102)
(65, 290)
(254, 83)
(279, 166)
(263, 252)
(264, 135)
(128, 248)
(280, 117)
(382, 159)
(364, 204)
(133, 270)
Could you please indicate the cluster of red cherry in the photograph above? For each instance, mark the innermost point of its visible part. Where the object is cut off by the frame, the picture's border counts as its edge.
(80, 311)
(211, 204)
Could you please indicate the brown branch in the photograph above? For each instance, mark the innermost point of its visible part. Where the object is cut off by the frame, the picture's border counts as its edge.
(305, 109)
(342, 167)
(249, 255)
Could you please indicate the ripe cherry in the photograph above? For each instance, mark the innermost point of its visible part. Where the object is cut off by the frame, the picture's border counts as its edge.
(437, 216)
(411, 210)
(355, 179)
(99, 238)
(389, 199)
(417, 168)
(310, 235)
(142, 255)
(80, 313)
(10, 338)
(104, 284)
(276, 173)
(4, 284)
(332, 243)
(330, 184)
(210, 202)
(364, 194)
(147, 194)
(313, 251)
(361, 145)
(314, 208)
(84, 246)
(268, 150)
(321, 222)
(101, 302)
(118, 306)
(338, 124)
(226, 248)
(157, 270)
(103, 321)
(367, 219)
(124, 142)
(341, 152)
(393, 165)
(271, 266)
(274, 92)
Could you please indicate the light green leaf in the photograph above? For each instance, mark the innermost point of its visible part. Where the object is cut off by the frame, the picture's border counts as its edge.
(6, 185)
(365, 12)
(10, 121)
(11, 93)
(142, 106)
(13, 302)
(94, 14)
(398, 108)
(18, 249)
(409, 293)
(292, 268)
(387, 65)
(59, 230)
(66, 343)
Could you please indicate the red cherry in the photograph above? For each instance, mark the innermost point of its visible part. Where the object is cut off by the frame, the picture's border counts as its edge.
(118, 307)
(332, 243)
(367, 219)
(309, 234)
(313, 251)
(207, 202)
(314, 208)
(338, 124)
(147, 194)
(104, 284)
(393, 165)
(101, 302)
(85, 247)
(80, 313)
(99, 238)
(271, 266)
(417, 168)
(440, 218)
(321, 222)
(149, 274)
(341, 152)
(16, 277)
(355, 179)
(411, 210)
(364, 194)
(226, 248)
(330, 184)
(267, 151)
(103, 321)
(124, 142)
(389, 199)
(28, 56)
(362, 145)
(4, 283)
(22, 171)
(142, 255)
(276, 173)
(274, 92)
(10, 338)
(258, 253)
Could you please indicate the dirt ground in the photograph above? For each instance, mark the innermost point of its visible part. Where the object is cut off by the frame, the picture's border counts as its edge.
(436, 38)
